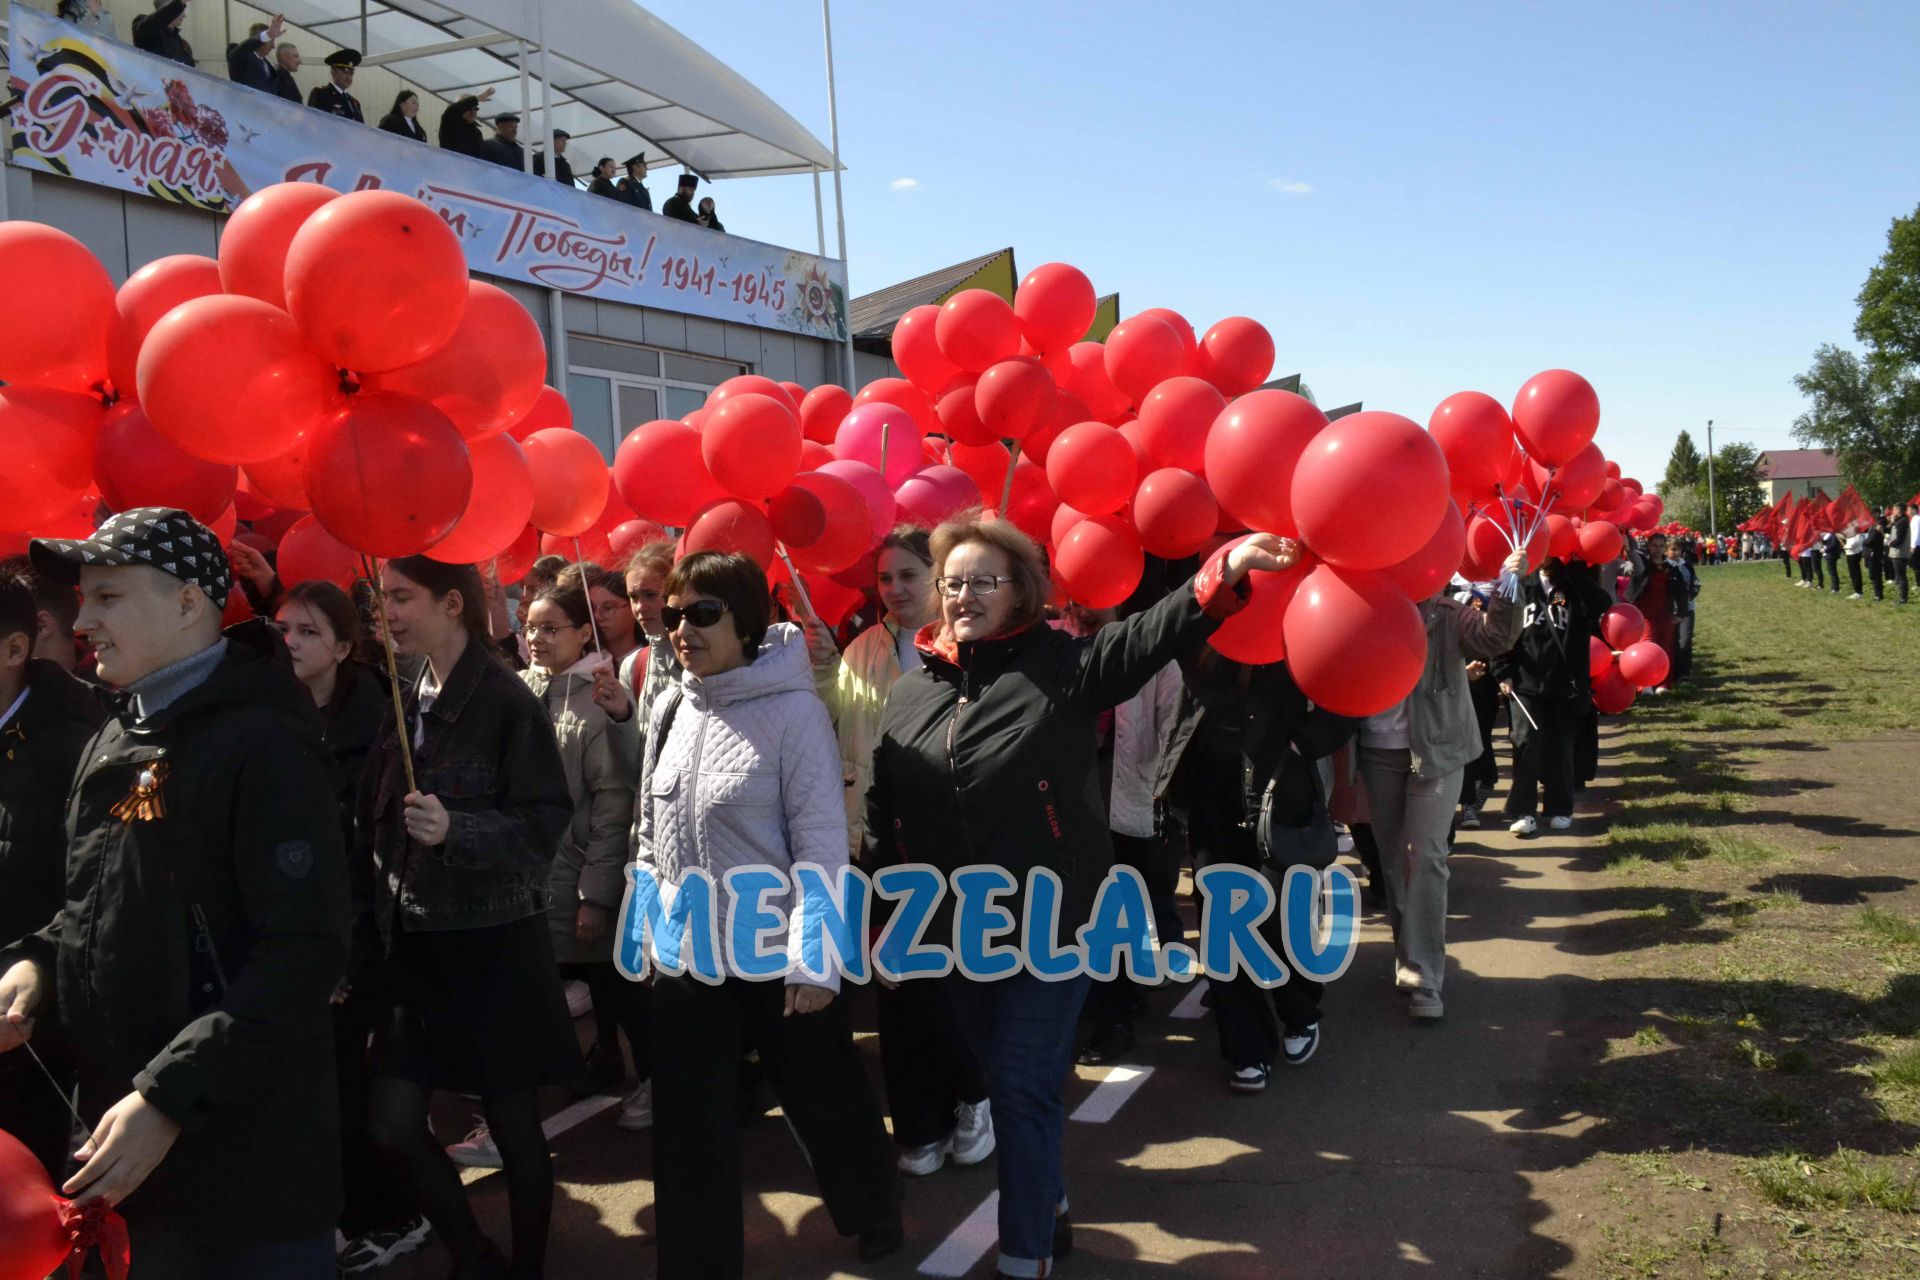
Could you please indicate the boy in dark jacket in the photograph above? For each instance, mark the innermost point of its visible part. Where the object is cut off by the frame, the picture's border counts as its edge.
(46, 718)
(1545, 677)
(205, 922)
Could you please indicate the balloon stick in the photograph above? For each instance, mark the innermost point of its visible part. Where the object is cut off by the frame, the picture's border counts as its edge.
(393, 669)
(799, 586)
(593, 623)
(1006, 487)
(1523, 711)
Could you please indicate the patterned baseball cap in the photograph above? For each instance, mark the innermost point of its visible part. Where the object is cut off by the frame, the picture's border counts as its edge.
(171, 541)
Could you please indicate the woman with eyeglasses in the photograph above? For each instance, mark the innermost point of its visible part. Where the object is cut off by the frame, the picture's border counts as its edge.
(473, 1002)
(987, 755)
(742, 771)
(936, 1090)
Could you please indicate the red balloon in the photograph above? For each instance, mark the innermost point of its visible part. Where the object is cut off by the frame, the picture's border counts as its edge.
(231, 379)
(33, 1238)
(550, 409)
(148, 294)
(1031, 510)
(376, 280)
(1369, 490)
(592, 546)
(750, 384)
(958, 416)
(846, 524)
(1645, 664)
(308, 553)
(253, 244)
(1175, 513)
(977, 330)
(1014, 397)
(1489, 543)
(1256, 635)
(987, 464)
(47, 441)
(1575, 483)
(877, 430)
(1631, 486)
(1599, 656)
(57, 301)
(873, 491)
(751, 445)
(1091, 467)
(1555, 415)
(661, 474)
(902, 394)
(136, 466)
(1563, 540)
(570, 482)
(1612, 691)
(1189, 343)
(936, 493)
(1252, 452)
(798, 516)
(1174, 421)
(916, 349)
(1236, 355)
(1100, 562)
(1089, 382)
(499, 508)
(1055, 305)
(516, 562)
(1064, 518)
(490, 375)
(821, 412)
(1601, 542)
(1623, 625)
(629, 536)
(388, 475)
(1354, 643)
(731, 525)
(1423, 574)
(814, 455)
(281, 481)
(1143, 352)
(274, 524)
(1476, 435)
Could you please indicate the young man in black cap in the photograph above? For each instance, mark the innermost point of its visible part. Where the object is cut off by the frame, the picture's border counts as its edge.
(633, 187)
(680, 203)
(562, 171)
(334, 97)
(46, 719)
(503, 148)
(205, 923)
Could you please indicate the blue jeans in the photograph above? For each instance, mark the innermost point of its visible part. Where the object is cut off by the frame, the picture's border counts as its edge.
(1022, 1030)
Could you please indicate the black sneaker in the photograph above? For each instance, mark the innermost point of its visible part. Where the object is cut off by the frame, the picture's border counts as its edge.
(1298, 1046)
(882, 1241)
(1108, 1044)
(1251, 1078)
(1062, 1236)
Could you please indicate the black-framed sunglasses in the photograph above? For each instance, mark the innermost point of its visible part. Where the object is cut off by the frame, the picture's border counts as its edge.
(701, 613)
(981, 584)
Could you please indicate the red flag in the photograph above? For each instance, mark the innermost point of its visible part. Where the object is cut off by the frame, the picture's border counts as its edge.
(1849, 512)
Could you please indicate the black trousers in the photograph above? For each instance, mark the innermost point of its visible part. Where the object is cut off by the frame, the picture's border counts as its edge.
(1833, 570)
(1155, 858)
(375, 1199)
(1484, 771)
(618, 1006)
(1786, 562)
(928, 1066)
(816, 1073)
(1853, 571)
(1897, 570)
(1586, 744)
(1248, 1019)
(1543, 757)
(1877, 574)
(1682, 648)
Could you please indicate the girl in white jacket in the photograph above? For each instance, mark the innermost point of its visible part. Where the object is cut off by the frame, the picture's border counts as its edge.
(743, 769)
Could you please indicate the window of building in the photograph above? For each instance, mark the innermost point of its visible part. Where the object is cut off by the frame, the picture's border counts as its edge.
(614, 387)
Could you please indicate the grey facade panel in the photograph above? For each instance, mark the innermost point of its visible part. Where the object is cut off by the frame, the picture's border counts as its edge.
(582, 315)
(776, 356)
(664, 329)
(743, 344)
(158, 230)
(814, 362)
(706, 337)
(94, 216)
(621, 322)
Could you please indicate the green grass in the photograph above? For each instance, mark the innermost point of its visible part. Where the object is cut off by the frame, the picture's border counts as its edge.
(1887, 928)
(1680, 842)
(1848, 1180)
(1900, 1068)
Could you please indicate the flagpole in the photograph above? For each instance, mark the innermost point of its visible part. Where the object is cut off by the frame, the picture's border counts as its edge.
(1713, 516)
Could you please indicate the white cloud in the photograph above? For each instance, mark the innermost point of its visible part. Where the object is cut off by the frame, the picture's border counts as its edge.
(1290, 186)
(906, 184)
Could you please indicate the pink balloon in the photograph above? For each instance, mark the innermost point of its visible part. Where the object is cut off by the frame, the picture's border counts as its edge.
(869, 428)
(936, 493)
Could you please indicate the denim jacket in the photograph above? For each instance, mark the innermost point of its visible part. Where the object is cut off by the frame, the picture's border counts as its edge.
(486, 748)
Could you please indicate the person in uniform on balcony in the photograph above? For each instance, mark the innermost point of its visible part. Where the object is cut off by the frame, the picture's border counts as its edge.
(562, 170)
(680, 203)
(503, 148)
(633, 187)
(460, 126)
(334, 97)
(404, 119)
(247, 61)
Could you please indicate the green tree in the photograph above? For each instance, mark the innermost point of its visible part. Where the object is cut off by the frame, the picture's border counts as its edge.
(1683, 468)
(1736, 483)
(1867, 409)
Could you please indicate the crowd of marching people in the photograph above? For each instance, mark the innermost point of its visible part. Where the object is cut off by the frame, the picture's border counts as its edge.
(1878, 553)
(262, 900)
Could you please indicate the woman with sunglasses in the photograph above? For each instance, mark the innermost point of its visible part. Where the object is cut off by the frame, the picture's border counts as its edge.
(936, 1090)
(473, 1001)
(742, 771)
(987, 755)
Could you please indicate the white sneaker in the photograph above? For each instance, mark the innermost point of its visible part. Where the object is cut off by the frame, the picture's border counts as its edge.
(1854, 596)
(918, 1162)
(378, 1248)
(1524, 826)
(637, 1111)
(1560, 823)
(477, 1151)
(973, 1133)
(579, 1000)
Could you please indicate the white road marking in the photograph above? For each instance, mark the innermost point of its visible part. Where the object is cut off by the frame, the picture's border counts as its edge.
(969, 1242)
(1104, 1103)
(580, 1112)
(1191, 1006)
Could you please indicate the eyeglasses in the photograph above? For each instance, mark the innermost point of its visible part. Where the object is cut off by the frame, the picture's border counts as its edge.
(981, 584)
(701, 613)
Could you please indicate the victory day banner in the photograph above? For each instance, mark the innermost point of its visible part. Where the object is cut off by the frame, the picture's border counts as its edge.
(101, 112)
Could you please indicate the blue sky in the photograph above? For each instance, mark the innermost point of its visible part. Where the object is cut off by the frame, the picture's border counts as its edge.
(1678, 200)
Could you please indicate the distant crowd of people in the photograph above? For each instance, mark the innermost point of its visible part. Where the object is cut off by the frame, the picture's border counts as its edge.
(263, 61)
(1880, 554)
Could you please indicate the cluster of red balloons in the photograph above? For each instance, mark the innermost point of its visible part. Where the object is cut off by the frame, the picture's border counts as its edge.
(1624, 659)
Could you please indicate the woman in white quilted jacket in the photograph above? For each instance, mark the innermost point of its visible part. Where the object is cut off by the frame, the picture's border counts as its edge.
(743, 770)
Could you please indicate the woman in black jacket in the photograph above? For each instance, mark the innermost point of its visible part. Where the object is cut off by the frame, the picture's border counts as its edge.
(404, 119)
(987, 755)
(460, 126)
(473, 1002)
